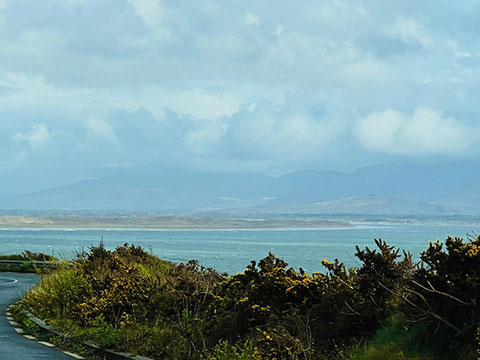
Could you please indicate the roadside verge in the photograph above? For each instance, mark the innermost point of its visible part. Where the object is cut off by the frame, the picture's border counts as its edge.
(26, 319)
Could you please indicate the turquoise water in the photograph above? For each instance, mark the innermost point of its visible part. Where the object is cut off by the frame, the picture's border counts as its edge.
(232, 250)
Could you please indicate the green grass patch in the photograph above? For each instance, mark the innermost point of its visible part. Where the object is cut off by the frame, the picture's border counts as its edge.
(397, 340)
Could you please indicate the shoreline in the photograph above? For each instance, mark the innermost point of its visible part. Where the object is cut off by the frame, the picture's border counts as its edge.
(187, 223)
(178, 229)
(164, 223)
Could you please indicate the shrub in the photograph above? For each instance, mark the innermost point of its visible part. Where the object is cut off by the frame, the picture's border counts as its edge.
(133, 301)
(225, 351)
(29, 256)
(445, 292)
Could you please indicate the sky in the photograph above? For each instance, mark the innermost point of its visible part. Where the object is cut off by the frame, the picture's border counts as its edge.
(87, 86)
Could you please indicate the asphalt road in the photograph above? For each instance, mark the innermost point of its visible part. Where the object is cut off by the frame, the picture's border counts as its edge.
(12, 345)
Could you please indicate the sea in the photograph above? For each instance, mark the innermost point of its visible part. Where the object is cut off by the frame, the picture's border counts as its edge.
(232, 250)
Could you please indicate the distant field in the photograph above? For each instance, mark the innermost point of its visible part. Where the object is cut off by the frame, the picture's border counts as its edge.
(161, 222)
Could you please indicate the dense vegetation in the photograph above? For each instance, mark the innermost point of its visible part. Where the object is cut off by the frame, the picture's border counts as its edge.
(387, 308)
(24, 262)
(29, 256)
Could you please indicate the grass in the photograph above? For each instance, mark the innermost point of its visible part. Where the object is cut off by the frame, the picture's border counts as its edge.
(397, 340)
(392, 341)
(71, 341)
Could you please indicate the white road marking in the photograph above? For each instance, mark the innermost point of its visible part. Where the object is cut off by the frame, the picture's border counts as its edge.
(73, 355)
(46, 343)
(8, 282)
(21, 331)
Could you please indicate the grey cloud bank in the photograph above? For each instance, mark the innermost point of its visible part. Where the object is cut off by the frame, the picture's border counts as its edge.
(87, 85)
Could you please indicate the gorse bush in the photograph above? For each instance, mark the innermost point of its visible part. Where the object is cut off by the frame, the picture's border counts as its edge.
(29, 256)
(133, 301)
(27, 259)
(127, 295)
(225, 351)
(446, 293)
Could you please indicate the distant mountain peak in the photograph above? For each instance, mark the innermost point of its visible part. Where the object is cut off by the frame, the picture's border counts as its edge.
(397, 188)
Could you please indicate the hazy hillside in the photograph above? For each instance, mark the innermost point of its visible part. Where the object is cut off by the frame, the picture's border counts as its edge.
(392, 188)
(355, 205)
(447, 182)
(151, 189)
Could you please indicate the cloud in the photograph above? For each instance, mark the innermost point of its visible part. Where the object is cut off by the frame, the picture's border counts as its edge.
(278, 134)
(252, 19)
(203, 104)
(264, 132)
(153, 14)
(238, 84)
(37, 136)
(203, 139)
(411, 32)
(100, 128)
(31, 140)
(424, 132)
(336, 13)
(75, 2)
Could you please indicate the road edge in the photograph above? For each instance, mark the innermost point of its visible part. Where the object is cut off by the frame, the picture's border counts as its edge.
(108, 354)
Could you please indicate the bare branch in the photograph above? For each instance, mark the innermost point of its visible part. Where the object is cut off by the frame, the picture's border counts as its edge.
(434, 291)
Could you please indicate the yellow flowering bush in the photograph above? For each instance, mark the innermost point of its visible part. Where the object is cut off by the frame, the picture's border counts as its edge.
(134, 301)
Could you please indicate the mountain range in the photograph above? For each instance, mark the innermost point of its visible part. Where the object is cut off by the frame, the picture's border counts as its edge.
(396, 188)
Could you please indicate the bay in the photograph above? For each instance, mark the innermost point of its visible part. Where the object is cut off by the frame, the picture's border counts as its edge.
(231, 250)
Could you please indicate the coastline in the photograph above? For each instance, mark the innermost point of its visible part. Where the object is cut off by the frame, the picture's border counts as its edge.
(163, 223)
